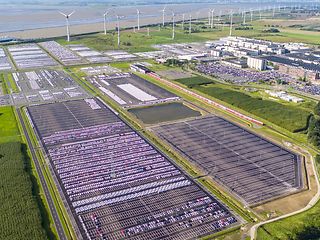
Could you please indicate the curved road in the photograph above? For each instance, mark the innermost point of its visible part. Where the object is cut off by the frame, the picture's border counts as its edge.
(312, 202)
(55, 216)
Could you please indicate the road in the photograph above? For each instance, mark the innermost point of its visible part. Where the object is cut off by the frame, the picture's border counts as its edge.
(55, 216)
(313, 201)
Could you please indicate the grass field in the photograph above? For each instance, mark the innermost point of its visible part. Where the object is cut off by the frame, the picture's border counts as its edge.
(193, 81)
(19, 210)
(133, 42)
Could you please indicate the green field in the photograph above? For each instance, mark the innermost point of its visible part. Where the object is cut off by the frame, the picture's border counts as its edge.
(289, 117)
(19, 209)
(304, 226)
(192, 81)
(132, 42)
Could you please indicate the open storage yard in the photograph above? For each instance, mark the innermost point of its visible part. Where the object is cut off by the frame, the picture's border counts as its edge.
(45, 85)
(251, 167)
(90, 55)
(30, 56)
(119, 55)
(117, 184)
(131, 90)
(4, 61)
(97, 70)
(63, 54)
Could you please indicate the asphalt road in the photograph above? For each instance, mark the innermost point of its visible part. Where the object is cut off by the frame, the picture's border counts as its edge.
(55, 216)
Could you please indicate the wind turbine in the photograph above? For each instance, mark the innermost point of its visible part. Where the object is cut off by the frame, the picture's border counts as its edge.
(163, 13)
(138, 18)
(173, 30)
(212, 16)
(118, 27)
(183, 16)
(105, 21)
(244, 18)
(231, 19)
(209, 17)
(251, 14)
(67, 16)
(190, 19)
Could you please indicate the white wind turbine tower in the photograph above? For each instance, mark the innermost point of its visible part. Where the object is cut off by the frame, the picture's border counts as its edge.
(190, 20)
(163, 13)
(105, 15)
(173, 30)
(138, 18)
(183, 17)
(209, 17)
(67, 16)
(244, 17)
(118, 27)
(251, 14)
(212, 16)
(231, 19)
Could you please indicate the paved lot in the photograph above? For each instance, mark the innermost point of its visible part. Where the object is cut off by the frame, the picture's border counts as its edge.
(251, 167)
(117, 184)
(130, 90)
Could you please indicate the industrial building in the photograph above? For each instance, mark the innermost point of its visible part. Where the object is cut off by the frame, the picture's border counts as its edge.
(257, 63)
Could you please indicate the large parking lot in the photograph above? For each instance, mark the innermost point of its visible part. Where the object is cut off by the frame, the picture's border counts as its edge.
(63, 54)
(89, 54)
(130, 90)
(251, 167)
(117, 184)
(30, 56)
(4, 61)
(45, 85)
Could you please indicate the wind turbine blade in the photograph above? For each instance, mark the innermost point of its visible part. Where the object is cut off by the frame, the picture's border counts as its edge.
(63, 14)
(71, 13)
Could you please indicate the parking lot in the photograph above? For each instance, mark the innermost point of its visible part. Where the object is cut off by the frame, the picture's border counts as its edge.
(89, 54)
(98, 70)
(120, 55)
(117, 184)
(130, 90)
(30, 56)
(251, 167)
(5, 63)
(63, 54)
(45, 86)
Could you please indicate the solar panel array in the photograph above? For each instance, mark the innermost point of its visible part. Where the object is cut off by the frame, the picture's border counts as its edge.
(251, 167)
(117, 184)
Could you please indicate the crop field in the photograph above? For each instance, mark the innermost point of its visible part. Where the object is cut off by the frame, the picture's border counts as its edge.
(20, 216)
(131, 90)
(117, 184)
(251, 167)
(164, 112)
(288, 117)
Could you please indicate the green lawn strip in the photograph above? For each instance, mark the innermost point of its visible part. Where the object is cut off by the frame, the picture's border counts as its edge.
(13, 84)
(61, 210)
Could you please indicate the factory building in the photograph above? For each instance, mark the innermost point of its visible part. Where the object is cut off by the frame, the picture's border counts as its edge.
(257, 63)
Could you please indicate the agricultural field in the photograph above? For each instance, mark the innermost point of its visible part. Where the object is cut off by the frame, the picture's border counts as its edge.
(289, 117)
(21, 217)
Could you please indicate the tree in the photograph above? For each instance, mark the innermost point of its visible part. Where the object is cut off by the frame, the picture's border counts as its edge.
(317, 109)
